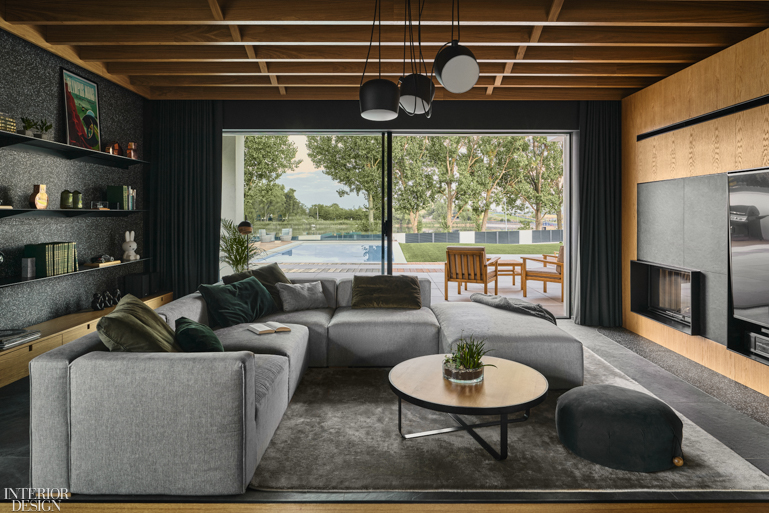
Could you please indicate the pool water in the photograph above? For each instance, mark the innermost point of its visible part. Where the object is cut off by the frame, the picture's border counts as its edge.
(329, 252)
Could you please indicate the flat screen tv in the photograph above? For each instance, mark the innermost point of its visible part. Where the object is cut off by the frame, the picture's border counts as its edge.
(749, 238)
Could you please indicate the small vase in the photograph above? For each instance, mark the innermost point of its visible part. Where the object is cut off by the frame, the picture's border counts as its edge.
(462, 376)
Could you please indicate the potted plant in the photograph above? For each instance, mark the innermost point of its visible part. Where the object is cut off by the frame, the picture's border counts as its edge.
(29, 126)
(45, 129)
(238, 249)
(464, 365)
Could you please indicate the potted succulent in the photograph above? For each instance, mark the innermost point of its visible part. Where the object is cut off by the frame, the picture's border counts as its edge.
(464, 365)
(238, 249)
(29, 125)
(45, 129)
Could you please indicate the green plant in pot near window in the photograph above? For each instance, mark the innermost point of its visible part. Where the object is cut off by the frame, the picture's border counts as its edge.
(464, 365)
(238, 249)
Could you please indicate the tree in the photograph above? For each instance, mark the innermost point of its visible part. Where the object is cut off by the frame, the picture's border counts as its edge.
(541, 168)
(453, 157)
(266, 201)
(266, 159)
(414, 184)
(354, 162)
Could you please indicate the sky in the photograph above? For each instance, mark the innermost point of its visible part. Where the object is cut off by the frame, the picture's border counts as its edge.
(312, 186)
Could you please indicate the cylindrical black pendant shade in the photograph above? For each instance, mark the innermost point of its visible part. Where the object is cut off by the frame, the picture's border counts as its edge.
(379, 100)
(456, 68)
(417, 93)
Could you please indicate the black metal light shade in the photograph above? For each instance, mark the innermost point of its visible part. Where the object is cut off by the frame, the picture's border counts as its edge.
(379, 100)
(416, 94)
(456, 68)
(245, 227)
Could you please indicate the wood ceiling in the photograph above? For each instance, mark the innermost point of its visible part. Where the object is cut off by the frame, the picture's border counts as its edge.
(315, 49)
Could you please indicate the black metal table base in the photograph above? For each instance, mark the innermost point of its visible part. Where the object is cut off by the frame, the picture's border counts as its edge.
(503, 422)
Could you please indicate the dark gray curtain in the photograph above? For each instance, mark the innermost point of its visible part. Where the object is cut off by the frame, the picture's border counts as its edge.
(599, 290)
(186, 192)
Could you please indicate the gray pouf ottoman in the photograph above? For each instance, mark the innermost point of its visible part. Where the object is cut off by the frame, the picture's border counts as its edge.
(619, 428)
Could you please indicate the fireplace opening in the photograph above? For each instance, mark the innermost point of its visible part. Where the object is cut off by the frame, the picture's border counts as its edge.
(667, 294)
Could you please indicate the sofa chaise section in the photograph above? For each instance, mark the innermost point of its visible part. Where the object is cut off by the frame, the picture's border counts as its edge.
(522, 338)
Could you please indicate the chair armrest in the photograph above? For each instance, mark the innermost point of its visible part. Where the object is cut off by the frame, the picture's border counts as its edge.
(491, 260)
(550, 256)
(540, 261)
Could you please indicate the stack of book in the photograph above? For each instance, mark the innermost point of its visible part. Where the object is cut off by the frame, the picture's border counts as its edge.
(53, 258)
(121, 197)
(13, 338)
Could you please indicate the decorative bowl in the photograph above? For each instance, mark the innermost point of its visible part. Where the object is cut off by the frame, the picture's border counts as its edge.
(462, 376)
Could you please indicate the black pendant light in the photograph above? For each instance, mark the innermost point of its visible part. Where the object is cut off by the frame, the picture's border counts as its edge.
(416, 90)
(245, 227)
(455, 66)
(379, 97)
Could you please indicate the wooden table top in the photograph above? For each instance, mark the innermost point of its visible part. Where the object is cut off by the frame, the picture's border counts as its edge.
(510, 262)
(507, 388)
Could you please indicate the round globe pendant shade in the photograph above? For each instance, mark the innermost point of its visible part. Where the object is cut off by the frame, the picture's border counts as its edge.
(245, 227)
(456, 68)
(417, 93)
(379, 100)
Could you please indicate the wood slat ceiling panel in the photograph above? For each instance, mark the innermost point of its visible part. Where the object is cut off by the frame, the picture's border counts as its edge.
(307, 49)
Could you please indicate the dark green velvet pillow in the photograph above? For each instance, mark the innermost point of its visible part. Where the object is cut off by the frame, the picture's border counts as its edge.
(194, 337)
(386, 292)
(237, 303)
(268, 275)
(134, 327)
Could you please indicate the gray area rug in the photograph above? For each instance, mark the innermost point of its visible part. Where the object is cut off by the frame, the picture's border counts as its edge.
(340, 434)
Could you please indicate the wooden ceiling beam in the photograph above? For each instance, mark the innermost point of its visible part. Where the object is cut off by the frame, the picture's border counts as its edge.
(350, 93)
(118, 53)
(354, 69)
(358, 35)
(495, 12)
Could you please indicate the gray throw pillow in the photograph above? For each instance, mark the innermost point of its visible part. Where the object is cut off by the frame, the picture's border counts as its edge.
(301, 296)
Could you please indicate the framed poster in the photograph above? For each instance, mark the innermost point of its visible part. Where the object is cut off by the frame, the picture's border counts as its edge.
(81, 105)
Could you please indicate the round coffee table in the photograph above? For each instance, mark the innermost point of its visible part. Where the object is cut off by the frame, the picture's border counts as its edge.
(508, 388)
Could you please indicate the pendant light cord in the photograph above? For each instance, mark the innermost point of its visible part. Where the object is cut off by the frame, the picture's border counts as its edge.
(370, 43)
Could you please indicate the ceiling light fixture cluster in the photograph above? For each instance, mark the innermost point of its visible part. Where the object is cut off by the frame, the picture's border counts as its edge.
(455, 68)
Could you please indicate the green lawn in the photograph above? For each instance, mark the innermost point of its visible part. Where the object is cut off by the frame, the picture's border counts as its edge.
(436, 251)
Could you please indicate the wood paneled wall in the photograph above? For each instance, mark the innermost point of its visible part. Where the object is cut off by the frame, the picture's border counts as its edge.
(737, 141)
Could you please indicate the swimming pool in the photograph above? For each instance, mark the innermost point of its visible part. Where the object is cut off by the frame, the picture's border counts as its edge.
(329, 252)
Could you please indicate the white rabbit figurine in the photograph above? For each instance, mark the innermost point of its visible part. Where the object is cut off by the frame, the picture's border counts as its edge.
(129, 246)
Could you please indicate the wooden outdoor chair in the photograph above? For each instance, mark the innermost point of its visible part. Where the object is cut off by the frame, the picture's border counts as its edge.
(468, 264)
(545, 275)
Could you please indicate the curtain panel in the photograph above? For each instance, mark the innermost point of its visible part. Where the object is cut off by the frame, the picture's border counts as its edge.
(185, 192)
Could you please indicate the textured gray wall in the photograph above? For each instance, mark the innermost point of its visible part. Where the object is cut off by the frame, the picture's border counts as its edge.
(685, 223)
(31, 86)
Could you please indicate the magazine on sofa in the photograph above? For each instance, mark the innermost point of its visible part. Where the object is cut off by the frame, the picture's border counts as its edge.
(268, 327)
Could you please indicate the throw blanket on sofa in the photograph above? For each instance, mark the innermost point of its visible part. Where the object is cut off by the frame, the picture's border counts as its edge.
(514, 305)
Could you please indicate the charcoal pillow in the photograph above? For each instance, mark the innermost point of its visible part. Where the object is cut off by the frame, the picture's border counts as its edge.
(386, 292)
(243, 301)
(134, 327)
(268, 275)
(194, 337)
(302, 296)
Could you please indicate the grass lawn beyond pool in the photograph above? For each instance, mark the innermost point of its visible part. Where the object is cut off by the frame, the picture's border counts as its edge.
(436, 251)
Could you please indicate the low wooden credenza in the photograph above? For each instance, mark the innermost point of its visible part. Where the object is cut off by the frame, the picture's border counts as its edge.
(14, 362)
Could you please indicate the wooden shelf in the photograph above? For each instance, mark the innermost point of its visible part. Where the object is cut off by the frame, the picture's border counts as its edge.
(74, 212)
(65, 151)
(9, 282)
(14, 362)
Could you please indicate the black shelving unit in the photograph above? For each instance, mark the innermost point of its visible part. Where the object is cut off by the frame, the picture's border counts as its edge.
(65, 151)
(8, 282)
(80, 212)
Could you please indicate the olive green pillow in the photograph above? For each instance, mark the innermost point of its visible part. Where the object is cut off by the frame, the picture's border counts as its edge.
(194, 337)
(386, 292)
(242, 301)
(268, 275)
(135, 328)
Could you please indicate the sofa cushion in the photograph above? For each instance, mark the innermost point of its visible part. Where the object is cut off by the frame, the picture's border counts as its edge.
(292, 345)
(385, 291)
(344, 292)
(301, 296)
(317, 322)
(191, 306)
(329, 289)
(268, 275)
(194, 337)
(376, 337)
(242, 301)
(135, 327)
(518, 337)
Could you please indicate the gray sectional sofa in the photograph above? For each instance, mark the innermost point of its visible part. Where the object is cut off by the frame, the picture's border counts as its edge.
(199, 423)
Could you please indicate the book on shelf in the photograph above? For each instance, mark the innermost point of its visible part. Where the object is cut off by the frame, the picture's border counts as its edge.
(6, 207)
(268, 327)
(27, 336)
(118, 194)
(53, 258)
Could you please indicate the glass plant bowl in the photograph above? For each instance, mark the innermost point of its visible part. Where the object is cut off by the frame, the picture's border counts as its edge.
(462, 376)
